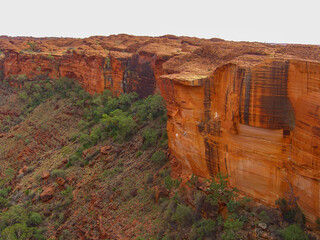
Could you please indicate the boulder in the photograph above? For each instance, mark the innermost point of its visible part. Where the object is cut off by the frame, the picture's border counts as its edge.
(105, 149)
(23, 169)
(264, 226)
(45, 175)
(47, 194)
(60, 181)
(160, 192)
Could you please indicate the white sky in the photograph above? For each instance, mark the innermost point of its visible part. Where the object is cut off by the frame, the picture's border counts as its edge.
(278, 21)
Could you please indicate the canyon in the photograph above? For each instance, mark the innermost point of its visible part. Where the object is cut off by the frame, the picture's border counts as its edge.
(248, 110)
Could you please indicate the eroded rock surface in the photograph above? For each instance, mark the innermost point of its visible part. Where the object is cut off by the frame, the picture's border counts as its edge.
(250, 110)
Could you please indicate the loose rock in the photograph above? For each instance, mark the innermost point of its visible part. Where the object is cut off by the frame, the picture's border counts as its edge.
(47, 194)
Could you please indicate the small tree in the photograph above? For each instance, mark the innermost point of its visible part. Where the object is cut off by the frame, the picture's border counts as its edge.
(219, 193)
(32, 46)
(158, 157)
(150, 137)
(293, 232)
(184, 215)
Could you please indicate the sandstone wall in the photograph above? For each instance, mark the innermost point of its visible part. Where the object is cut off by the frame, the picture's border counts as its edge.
(259, 125)
(132, 72)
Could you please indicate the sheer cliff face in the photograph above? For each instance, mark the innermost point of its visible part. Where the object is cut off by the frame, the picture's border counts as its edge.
(259, 125)
(249, 110)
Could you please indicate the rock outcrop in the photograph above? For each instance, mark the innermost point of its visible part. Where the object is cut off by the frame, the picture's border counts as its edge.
(249, 110)
(47, 194)
(257, 124)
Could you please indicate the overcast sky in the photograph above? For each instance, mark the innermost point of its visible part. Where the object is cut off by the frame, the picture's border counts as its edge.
(273, 21)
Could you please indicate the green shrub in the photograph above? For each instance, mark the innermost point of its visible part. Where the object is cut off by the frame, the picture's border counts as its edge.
(22, 77)
(318, 224)
(1, 76)
(9, 173)
(203, 229)
(183, 215)
(23, 96)
(18, 136)
(149, 108)
(164, 139)
(106, 94)
(293, 232)
(65, 235)
(138, 154)
(219, 192)
(199, 198)
(264, 217)
(171, 183)
(58, 173)
(97, 113)
(94, 136)
(32, 46)
(50, 57)
(291, 213)
(111, 105)
(86, 140)
(3, 202)
(120, 125)
(15, 214)
(127, 126)
(233, 206)
(126, 100)
(73, 159)
(17, 231)
(67, 193)
(20, 231)
(158, 158)
(231, 228)
(165, 172)
(4, 192)
(112, 172)
(34, 220)
(150, 137)
(141, 109)
(157, 105)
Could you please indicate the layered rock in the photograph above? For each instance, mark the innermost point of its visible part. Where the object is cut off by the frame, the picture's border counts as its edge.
(249, 110)
(258, 124)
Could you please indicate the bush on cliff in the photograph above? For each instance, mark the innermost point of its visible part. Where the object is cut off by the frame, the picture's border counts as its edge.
(183, 215)
(170, 183)
(219, 193)
(291, 212)
(150, 108)
(150, 137)
(218, 196)
(293, 232)
(203, 229)
(158, 158)
(32, 46)
(231, 229)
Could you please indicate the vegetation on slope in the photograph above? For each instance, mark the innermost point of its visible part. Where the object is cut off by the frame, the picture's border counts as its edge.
(79, 125)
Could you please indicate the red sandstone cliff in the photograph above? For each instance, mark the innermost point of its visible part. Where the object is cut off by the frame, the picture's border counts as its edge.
(250, 110)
